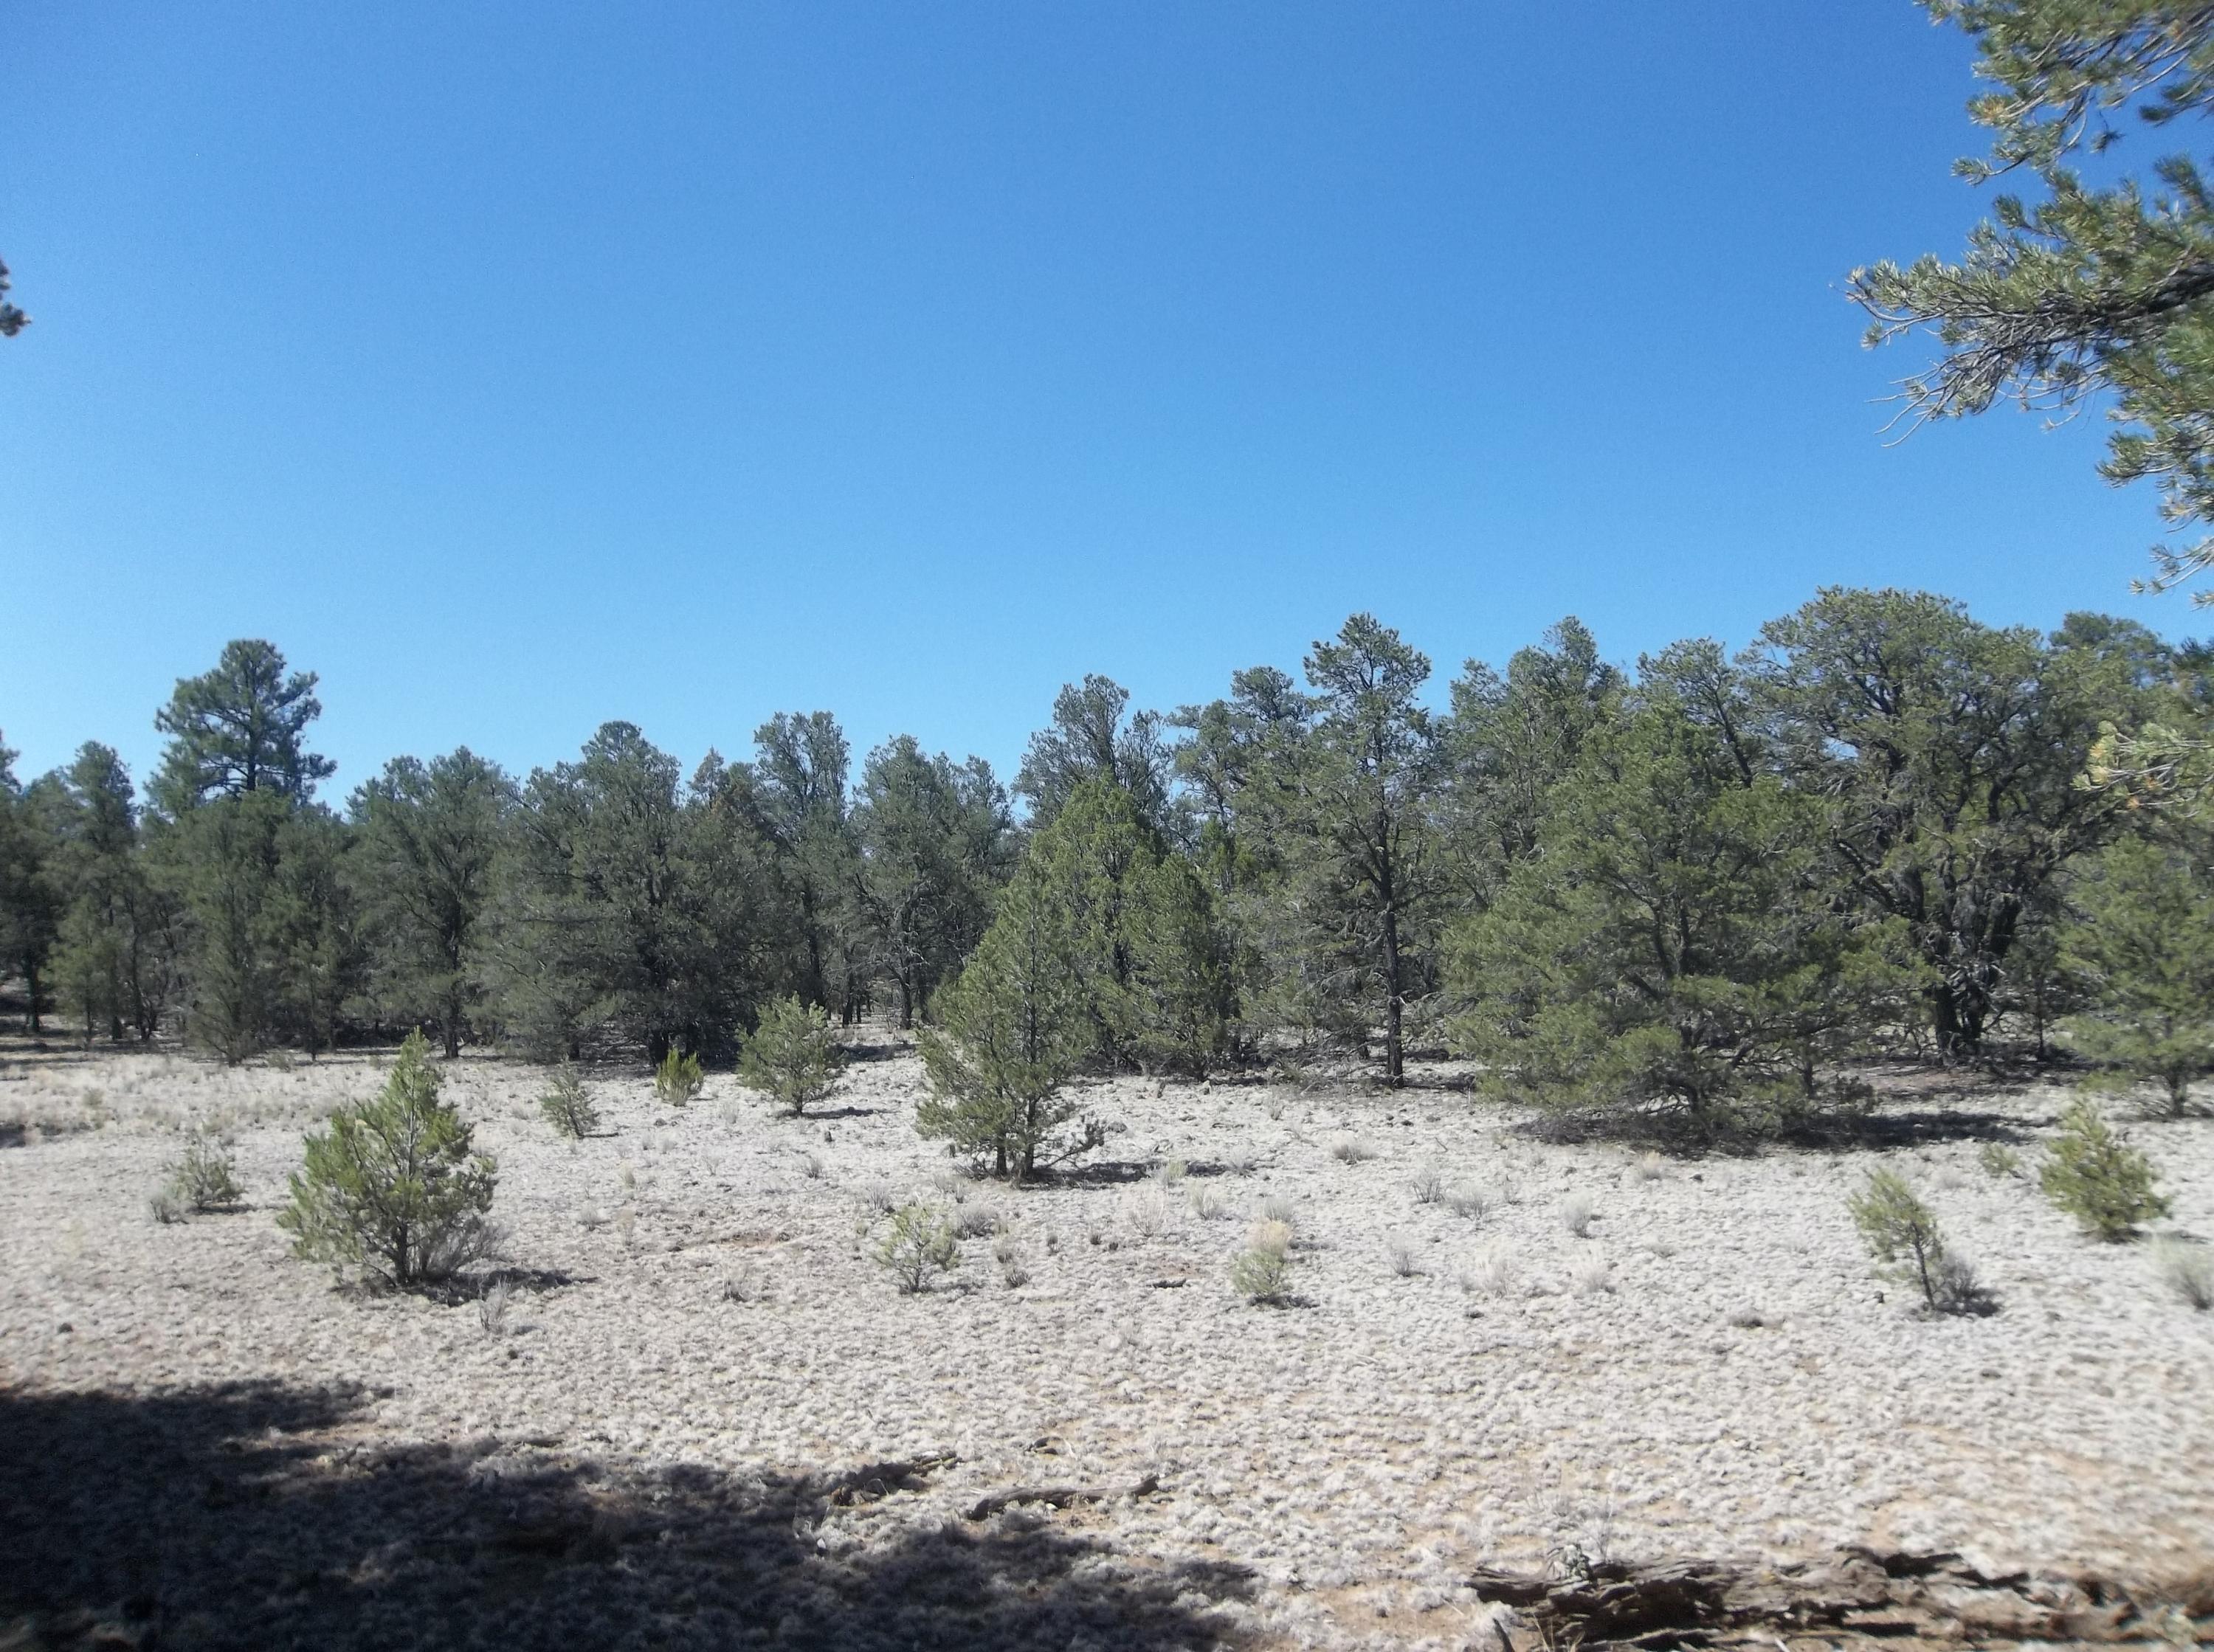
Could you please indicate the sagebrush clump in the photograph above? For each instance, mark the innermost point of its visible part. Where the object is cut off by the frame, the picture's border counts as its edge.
(567, 1107)
(392, 1186)
(203, 1179)
(678, 1079)
(2092, 1172)
(792, 1056)
(1263, 1271)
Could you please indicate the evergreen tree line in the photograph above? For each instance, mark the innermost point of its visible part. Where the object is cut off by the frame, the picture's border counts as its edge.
(1702, 885)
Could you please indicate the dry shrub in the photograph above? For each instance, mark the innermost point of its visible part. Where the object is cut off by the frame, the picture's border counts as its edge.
(1263, 1271)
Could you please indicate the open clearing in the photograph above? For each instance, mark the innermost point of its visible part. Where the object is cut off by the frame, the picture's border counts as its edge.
(711, 1419)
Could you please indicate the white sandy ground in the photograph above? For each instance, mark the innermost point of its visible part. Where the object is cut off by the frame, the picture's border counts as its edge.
(1359, 1453)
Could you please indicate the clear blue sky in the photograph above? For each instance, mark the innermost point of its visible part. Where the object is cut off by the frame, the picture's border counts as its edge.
(519, 367)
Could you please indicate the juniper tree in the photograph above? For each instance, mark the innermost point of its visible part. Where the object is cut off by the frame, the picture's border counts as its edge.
(1948, 753)
(800, 769)
(792, 1056)
(1670, 943)
(30, 906)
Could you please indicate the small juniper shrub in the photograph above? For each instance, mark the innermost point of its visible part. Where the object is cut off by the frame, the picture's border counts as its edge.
(392, 1185)
(566, 1106)
(792, 1056)
(921, 1243)
(2186, 1269)
(1999, 1162)
(203, 1179)
(678, 1079)
(1263, 1271)
(1902, 1234)
(2091, 1173)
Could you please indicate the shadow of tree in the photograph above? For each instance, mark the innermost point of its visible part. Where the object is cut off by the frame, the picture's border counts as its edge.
(260, 1515)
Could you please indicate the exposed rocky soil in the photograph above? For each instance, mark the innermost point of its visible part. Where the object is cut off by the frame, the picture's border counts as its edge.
(711, 1419)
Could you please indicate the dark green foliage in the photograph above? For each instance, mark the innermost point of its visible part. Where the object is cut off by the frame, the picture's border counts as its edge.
(116, 957)
(935, 842)
(240, 729)
(30, 902)
(1092, 739)
(2085, 290)
(12, 320)
(1014, 1030)
(800, 790)
(567, 1106)
(2091, 1173)
(634, 899)
(1671, 942)
(224, 860)
(392, 1185)
(792, 1056)
(1948, 753)
(2145, 946)
(429, 836)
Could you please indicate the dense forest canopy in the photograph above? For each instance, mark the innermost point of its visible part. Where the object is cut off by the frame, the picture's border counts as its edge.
(1704, 885)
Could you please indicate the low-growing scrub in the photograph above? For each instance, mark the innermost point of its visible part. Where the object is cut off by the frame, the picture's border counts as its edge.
(919, 1244)
(2091, 1173)
(204, 1179)
(2188, 1269)
(566, 1106)
(1999, 1160)
(1263, 1271)
(678, 1079)
(792, 1056)
(1902, 1235)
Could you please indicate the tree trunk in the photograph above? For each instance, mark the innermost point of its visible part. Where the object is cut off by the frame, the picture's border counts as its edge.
(1395, 1056)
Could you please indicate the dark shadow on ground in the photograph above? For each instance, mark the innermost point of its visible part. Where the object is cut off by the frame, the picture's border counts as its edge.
(830, 1115)
(1681, 1137)
(256, 1516)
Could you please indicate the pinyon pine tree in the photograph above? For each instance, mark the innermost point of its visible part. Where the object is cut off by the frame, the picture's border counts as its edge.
(392, 1185)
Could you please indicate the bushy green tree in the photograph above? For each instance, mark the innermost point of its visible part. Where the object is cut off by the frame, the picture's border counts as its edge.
(115, 958)
(224, 861)
(936, 842)
(1149, 961)
(1903, 1234)
(1014, 1029)
(2092, 1172)
(568, 1105)
(430, 838)
(792, 1056)
(1363, 866)
(1094, 736)
(240, 727)
(393, 1186)
(1670, 944)
(1947, 752)
(632, 898)
(2144, 944)
(30, 904)
(800, 768)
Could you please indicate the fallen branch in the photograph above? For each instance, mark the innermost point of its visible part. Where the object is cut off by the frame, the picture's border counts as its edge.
(1061, 1497)
(1856, 1595)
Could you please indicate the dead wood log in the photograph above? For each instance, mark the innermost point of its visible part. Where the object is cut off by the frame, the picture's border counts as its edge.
(1856, 1595)
(1061, 1497)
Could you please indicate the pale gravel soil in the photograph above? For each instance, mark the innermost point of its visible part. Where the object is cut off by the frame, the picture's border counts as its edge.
(1360, 1451)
